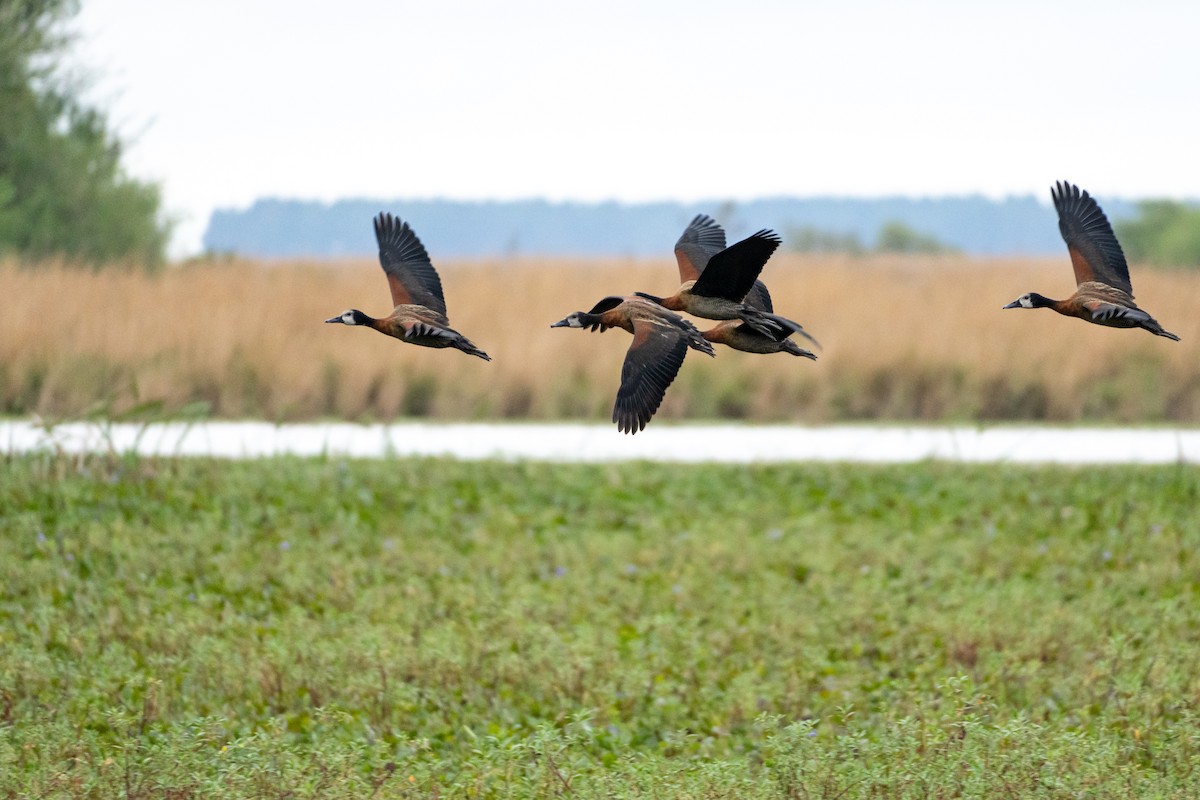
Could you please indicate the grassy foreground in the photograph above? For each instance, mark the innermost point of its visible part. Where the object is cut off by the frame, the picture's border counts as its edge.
(291, 628)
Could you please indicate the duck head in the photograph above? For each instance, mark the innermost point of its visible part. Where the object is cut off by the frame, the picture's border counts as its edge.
(351, 316)
(590, 319)
(576, 319)
(1031, 300)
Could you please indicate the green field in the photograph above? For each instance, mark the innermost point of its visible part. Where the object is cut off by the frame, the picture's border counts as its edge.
(424, 628)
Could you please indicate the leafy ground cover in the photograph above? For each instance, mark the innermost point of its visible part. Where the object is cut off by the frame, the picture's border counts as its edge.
(426, 628)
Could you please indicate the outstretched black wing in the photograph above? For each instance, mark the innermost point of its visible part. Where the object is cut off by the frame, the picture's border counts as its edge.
(732, 272)
(410, 273)
(1095, 252)
(652, 362)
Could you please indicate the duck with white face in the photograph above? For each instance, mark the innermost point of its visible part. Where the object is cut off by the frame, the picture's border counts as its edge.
(1103, 294)
(572, 320)
(351, 316)
(660, 341)
(419, 313)
(1031, 300)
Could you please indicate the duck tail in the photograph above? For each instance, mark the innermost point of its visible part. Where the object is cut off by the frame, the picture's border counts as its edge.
(763, 323)
(791, 347)
(698, 342)
(694, 338)
(1167, 334)
(1151, 324)
(791, 327)
(468, 347)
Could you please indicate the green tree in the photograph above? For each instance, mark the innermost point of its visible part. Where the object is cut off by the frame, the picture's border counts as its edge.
(1164, 232)
(62, 188)
(896, 237)
(893, 237)
(810, 239)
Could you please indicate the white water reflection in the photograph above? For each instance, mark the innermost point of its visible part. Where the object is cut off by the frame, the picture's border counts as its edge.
(593, 442)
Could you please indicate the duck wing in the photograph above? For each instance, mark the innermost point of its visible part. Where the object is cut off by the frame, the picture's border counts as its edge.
(1095, 252)
(758, 297)
(410, 273)
(652, 362)
(701, 240)
(732, 272)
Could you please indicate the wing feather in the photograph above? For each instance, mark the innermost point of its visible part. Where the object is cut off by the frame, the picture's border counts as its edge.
(1096, 254)
(651, 364)
(410, 273)
(732, 272)
(607, 304)
(701, 240)
(758, 297)
(1102, 311)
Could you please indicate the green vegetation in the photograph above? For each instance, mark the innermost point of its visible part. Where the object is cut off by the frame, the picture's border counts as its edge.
(896, 237)
(893, 237)
(810, 239)
(62, 189)
(1165, 232)
(291, 628)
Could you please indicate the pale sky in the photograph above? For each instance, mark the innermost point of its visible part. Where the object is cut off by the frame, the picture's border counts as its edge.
(228, 101)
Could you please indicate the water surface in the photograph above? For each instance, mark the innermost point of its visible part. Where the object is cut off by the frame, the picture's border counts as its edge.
(727, 443)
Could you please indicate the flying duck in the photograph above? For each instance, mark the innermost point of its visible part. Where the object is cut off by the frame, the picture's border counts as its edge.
(740, 336)
(702, 239)
(716, 279)
(1103, 295)
(419, 316)
(660, 341)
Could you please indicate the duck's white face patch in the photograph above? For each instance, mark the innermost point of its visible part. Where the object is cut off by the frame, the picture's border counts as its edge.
(348, 317)
(573, 321)
(1026, 301)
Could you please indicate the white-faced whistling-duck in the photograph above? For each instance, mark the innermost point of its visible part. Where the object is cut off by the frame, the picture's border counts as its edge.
(702, 239)
(717, 279)
(419, 316)
(1103, 295)
(660, 341)
(740, 336)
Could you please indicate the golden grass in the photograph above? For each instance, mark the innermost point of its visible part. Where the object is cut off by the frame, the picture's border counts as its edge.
(904, 338)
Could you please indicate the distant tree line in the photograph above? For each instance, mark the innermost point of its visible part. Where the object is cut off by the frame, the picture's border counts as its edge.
(62, 189)
(893, 237)
(286, 228)
(1165, 233)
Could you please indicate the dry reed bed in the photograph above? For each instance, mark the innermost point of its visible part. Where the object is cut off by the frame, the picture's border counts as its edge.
(904, 338)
